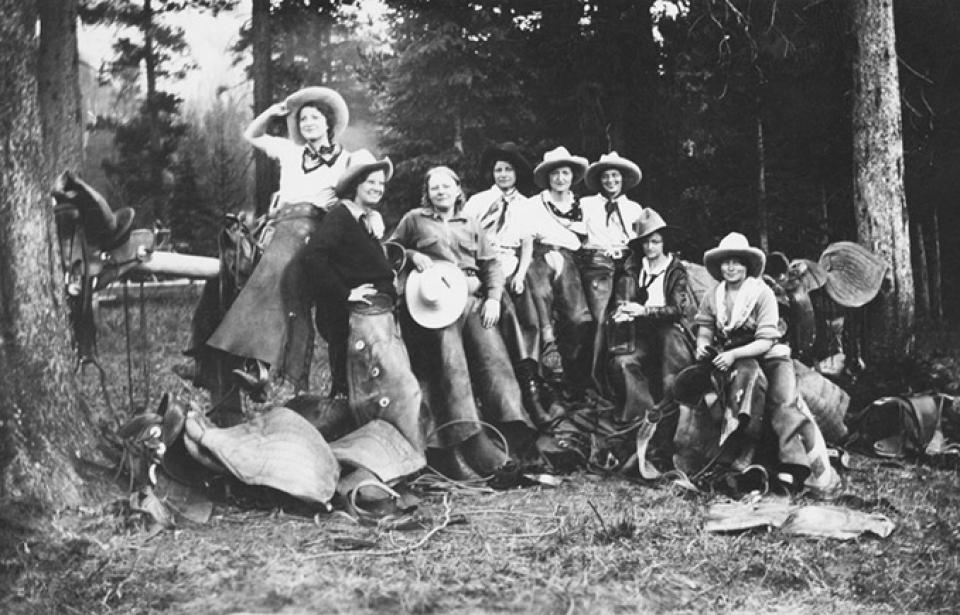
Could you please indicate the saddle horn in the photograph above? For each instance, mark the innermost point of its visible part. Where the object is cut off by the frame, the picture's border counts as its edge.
(105, 229)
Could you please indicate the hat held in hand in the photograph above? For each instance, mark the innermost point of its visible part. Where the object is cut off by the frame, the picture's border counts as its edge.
(437, 295)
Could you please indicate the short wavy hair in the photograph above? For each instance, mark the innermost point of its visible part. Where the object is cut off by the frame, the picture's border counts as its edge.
(425, 197)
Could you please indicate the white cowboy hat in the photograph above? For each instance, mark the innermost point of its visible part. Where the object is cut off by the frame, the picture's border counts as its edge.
(559, 157)
(629, 170)
(436, 296)
(734, 245)
(335, 108)
(361, 164)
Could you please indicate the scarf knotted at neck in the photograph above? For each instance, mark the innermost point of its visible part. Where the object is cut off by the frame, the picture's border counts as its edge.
(613, 210)
(574, 214)
(324, 156)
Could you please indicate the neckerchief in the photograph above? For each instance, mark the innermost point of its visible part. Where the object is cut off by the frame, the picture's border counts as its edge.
(743, 305)
(612, 207)
(574, 214)
(496, 215)
(326, 156)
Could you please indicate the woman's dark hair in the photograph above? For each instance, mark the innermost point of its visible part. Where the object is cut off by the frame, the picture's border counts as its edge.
(327, 114)
(349, 191)
(636, 245)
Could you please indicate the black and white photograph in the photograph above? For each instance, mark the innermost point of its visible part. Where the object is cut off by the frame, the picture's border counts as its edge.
(466, 306)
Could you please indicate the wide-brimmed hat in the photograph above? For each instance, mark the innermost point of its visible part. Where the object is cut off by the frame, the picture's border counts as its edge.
(649, 222)
(734, 245)
(628, 169)
(105, 228)
(559, 157)
(360, 164)
(854, 274)
(336, 113)
(508, 152)
(436, 296)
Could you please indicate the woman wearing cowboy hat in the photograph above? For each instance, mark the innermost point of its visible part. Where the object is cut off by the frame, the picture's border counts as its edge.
(355, 282)
(557, 223)
(453, 303)
(270, 319)
(610, 218)
(739, 335)
(654, 317)
(502, 213)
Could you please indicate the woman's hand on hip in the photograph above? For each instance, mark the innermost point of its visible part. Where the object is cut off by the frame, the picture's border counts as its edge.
(362, 293)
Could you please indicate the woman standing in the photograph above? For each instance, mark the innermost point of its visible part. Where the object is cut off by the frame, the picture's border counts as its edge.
(650, 338)
(460, 359)
(270, 320)
(347, 267)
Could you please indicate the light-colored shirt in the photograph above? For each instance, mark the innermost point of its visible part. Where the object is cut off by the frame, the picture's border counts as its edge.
(487, 207)
(373, 222)
(550, 229)
(763, 320)
(652, 280)
(299, 186)
(609, 230)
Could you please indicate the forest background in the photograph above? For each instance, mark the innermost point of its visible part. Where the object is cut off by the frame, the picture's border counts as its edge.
(738, 112)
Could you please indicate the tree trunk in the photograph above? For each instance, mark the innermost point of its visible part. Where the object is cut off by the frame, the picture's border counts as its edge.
(936, 270)
(265, 174)
(922, 281)
(59, 88)
(42, 431)
(763, 229)
(878, 194)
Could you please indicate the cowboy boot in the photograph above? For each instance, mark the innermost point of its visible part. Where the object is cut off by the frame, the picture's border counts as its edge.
(254, 384)
(530, 393)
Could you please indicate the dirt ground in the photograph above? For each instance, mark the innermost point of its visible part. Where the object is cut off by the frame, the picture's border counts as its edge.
(594, 544)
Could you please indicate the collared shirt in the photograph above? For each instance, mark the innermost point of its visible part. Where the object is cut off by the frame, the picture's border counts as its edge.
(296, 185)
(487, 207)
(550, 229)
(460, 240)
(373, 221)
(652, 280)
(608, 230)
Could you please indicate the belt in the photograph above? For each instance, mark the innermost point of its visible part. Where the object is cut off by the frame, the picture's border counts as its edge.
(290, 211)
(614, 253)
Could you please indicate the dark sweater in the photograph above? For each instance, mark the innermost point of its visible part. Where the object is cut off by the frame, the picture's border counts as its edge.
(342, 256)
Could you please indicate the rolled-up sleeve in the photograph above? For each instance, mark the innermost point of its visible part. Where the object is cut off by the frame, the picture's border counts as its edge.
(768, 315)
(707, 314)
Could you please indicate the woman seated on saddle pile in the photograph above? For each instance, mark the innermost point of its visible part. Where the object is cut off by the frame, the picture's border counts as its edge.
(503, 214)
(450, 324)
(766, 436)
(649, 335)
(556, 220)
(269, 322)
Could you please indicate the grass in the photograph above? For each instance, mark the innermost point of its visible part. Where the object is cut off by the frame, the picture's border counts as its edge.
(595, 544)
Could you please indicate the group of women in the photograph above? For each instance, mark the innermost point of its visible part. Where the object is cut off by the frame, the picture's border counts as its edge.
(499, 308)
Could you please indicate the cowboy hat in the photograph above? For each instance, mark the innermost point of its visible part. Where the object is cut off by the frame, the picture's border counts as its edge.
(335, 110)
(631, 172)
(508, 152)
(105, 229)
(734, 245)
(649, 222)
(854, 274)
(361, 164)
(559, 157)
(437, 295)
